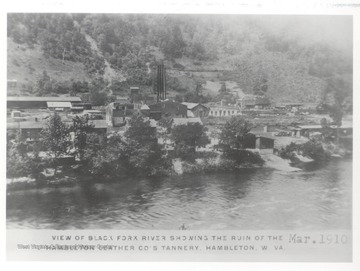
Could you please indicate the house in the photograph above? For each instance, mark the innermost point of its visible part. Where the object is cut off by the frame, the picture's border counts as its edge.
(196, 110)
(260, 141)
(117, 113)
(254, 102)
(263, 142)
(346, 129)
(167, 108)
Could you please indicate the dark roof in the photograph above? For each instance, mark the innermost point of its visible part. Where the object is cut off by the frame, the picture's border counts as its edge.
(43, 99)
(167, 103)
(98, 124)
(123, 113)
(120, 103)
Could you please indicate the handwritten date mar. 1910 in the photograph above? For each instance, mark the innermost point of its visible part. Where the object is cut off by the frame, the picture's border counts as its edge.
(323, 239)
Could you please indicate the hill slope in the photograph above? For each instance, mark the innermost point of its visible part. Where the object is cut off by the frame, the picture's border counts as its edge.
(26, 64)
(200, 53)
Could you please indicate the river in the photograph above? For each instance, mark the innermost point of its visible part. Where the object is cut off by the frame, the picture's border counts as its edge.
(254, 199)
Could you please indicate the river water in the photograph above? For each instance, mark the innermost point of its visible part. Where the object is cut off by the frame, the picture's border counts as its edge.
(252, 199)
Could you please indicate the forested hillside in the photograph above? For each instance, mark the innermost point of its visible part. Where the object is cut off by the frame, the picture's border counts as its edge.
(234, 48)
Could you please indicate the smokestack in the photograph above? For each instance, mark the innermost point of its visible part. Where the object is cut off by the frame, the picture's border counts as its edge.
(161, 83)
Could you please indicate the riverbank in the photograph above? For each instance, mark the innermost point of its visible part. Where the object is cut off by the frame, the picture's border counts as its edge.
(215, 163)
(203, 163)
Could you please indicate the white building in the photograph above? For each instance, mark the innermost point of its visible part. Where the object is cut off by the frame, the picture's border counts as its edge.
(224, 111)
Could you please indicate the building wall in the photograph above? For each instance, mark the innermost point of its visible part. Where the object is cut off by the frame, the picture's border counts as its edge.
(307, 132)
(223, 112)
(170, 108)
(109, 113)
(264, 143)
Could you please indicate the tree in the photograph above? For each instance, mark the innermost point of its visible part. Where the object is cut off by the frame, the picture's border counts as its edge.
(188, 137)
(44, 84)
(98, 92)
(223, 89)
(23, 159)
(175, 44)
(234, 134)
(314, 149)
(56, 137)
(144, 152)
(260, 87)
(340, 88)
(140, 130)
(326, 130)
(81, 128)
(108, 161)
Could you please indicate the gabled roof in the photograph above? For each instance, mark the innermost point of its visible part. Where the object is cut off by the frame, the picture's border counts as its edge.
(190, 105)
(144, 107)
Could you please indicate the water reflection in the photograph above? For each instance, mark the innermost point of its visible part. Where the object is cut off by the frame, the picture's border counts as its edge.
(252, 199)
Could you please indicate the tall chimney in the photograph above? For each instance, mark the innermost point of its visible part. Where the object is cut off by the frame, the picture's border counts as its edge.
(161, 83)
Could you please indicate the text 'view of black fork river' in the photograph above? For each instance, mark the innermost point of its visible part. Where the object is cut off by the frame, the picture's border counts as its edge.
(253, 199)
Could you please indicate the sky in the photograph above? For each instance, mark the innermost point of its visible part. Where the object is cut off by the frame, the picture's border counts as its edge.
(333, 30)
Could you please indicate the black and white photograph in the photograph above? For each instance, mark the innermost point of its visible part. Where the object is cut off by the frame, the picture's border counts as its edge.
(180, 122)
